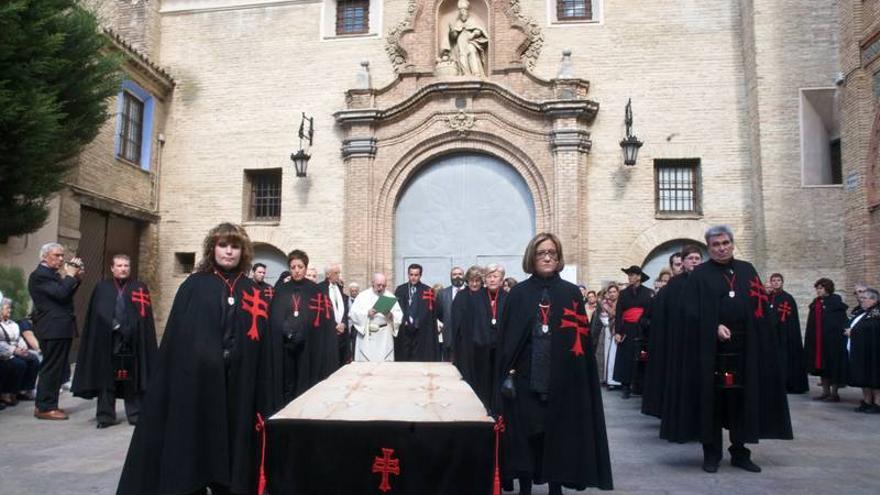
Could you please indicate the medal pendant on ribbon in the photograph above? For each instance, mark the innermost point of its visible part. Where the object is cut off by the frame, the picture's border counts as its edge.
(230, 300)
(545, 328)
(296, 314)
(731, 294)
(494, 321)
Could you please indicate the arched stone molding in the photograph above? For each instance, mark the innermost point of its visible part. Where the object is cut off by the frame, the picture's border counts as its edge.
(271, 235)
(429, 150)
(660, 233)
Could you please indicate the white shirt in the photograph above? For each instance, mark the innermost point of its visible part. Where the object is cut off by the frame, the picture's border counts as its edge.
(375, 336)
(336, 299)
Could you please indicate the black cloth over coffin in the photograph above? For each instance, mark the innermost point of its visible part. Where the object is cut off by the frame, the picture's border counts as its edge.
(338, 457)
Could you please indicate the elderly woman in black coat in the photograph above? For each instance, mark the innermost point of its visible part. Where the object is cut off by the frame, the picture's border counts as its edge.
(864, 351)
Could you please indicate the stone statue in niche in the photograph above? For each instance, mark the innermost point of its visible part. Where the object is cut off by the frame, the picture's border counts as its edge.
(466, 44)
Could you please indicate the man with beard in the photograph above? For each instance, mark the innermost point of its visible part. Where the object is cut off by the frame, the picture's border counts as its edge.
(665, 338)
(444, 311)
(417, 338)
(631, 322)
(258, 274)
(331, 286)
(731, 379)
(118, 345)
(791, 347)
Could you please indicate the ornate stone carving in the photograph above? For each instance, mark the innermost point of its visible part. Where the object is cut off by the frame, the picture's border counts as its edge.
(462, 122)
(535, 36)
(392, 41)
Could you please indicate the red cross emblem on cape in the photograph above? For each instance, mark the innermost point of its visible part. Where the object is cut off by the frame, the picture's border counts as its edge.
(428, 296)
(256, 306)
(571, 319)
(784, 310)
(387, 466)
(142, 298)
(756, 290)
(320, 304)
(269, 292)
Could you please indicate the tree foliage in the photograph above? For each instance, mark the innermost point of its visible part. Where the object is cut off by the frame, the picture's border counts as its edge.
(13, 287)
(56, 77)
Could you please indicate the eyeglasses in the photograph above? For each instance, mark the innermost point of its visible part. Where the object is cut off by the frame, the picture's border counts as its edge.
(549, 253)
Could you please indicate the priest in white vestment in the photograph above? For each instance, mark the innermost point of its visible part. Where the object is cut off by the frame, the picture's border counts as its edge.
(375, 331)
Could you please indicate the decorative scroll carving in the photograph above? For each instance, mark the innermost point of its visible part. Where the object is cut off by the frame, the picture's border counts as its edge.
(462, 122)
(531, 49)
(392, 41)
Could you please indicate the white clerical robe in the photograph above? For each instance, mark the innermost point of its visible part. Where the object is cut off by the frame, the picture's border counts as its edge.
(375, 336)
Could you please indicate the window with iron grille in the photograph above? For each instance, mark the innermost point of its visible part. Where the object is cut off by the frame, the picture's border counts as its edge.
(574, 10)
(265, 195)
(677, 186)
(131, 128)
(352, 16)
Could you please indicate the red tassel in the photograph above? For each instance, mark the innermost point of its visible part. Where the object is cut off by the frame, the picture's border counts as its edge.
(261, 428)
(499, 429)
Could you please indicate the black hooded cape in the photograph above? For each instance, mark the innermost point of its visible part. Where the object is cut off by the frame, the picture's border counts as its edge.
(707, 304)
(95, 364)
(417, 340)
(864, 355)
(477, 339)
(208, 392)
(571, 421)
(791, 345)
(824, 342)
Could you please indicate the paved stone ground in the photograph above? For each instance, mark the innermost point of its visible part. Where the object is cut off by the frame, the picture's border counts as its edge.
(835, 450)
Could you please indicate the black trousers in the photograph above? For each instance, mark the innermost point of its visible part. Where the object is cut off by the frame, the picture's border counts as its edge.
(729, 413)
(55, 358)
(107, 406)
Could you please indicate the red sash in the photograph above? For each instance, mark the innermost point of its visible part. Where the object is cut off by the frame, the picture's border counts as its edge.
(633, 315)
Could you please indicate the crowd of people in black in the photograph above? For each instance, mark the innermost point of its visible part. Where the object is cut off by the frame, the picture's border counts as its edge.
(711, 347)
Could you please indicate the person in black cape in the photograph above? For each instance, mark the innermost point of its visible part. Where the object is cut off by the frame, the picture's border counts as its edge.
(864, 355)
(305, 345)
(633, 307)
(118, 345)
(477, 317)
(549, 396)
(258, 275)
(824, 342)
(211, 389)
(731, 378)
(417, 339)
(665, 335)
(791, 345)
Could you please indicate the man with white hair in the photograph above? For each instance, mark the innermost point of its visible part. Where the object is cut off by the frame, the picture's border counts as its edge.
(52, 286)
(375, 331)
(332, 287)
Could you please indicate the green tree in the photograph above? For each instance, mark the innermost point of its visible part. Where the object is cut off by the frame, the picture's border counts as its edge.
(13, 287)
(56, 76)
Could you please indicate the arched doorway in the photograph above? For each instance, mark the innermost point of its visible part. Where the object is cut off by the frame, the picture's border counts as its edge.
(463, 209)
(274, 259)
(659, 256)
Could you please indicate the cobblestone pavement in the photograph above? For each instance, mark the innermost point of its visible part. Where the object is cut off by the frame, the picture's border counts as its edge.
(835, 450)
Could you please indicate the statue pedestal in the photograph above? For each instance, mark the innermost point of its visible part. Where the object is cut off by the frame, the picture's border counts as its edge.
(446, 68)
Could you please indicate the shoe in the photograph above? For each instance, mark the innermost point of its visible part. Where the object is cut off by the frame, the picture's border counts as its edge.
(613, 387)
(28, 396)
(55, 414)
(104, 424)
(863, 407)
(625, 394)
(873, 409)
(710, 465)
(8, 399)
(822, 397)
(833, 398)
(745, 463)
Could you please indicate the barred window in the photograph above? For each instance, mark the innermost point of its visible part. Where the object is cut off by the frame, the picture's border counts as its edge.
(352, 16)
(131, 128)
(677, 186)
(574, 10)
(265, 195)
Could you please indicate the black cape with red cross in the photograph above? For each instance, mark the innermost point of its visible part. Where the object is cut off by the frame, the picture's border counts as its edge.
(791, 347)
(707, 304)
(417, 338)
(198, 425)
(476, 339)
(574, 451)
(137, 332)
(304, 343)
(664, 338)
(824, 342)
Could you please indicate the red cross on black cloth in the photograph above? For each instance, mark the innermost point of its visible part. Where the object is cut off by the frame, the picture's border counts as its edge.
(142, 298)
(256, 306)
(428, 295)
(784, 310)
(756, 290)
(571, 319)
(269, 292)
(320, 304)
(386, 465)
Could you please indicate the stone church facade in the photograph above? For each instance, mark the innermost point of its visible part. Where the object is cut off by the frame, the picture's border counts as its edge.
(734, 101)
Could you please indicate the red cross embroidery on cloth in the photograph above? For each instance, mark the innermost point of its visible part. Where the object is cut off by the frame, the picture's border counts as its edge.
(269, 292)
(142, 298)
(256, 306)
(756, 290)
(386, 465)
(428, 295)
(320, 304)
(578, 323)
(784, 310)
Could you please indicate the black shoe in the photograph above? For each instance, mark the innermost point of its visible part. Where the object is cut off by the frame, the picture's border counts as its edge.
(863, 407)
(873, 409)
(745, 463)
(710, 465)
(613, 387)
(104, 424)
(626, 393)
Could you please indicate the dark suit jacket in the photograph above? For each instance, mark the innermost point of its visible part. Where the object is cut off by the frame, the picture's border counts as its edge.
(444, 314)
(53, 303)
(325, 288)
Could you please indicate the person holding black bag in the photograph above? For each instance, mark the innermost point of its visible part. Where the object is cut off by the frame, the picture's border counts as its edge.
(118, 345)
